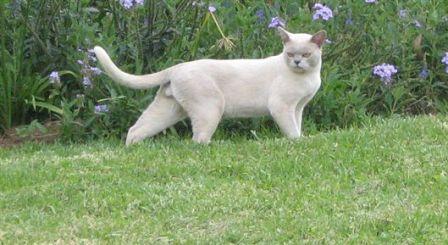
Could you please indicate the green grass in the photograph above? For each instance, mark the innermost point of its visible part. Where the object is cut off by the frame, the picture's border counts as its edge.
(386, 182)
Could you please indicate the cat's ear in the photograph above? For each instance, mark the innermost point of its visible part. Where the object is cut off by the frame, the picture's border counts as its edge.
(284, 35)
(319, 38)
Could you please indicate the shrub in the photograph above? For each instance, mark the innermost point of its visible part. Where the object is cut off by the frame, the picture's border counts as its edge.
(45, 36)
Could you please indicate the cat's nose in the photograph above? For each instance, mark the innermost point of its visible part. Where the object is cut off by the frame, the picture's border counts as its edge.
(297, 62)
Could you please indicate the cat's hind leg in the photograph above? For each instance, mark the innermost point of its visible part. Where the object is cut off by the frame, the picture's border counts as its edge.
(205, 120)
(205, 106)
(162, 113)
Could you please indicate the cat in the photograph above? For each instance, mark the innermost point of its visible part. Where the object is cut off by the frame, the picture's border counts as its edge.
(207, 90)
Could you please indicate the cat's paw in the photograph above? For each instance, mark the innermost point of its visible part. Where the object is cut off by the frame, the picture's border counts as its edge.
(132, 139)
(294, 136)
(202, 139)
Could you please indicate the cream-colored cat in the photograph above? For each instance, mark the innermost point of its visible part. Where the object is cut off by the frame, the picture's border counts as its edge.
(206, 90)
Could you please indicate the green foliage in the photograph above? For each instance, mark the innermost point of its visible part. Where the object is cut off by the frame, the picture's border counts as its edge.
(44, 36)
(27, 130)
(385, 183)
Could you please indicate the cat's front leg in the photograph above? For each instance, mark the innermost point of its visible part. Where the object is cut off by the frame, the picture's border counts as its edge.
(299, 111)
(299, 116)
(285, 117)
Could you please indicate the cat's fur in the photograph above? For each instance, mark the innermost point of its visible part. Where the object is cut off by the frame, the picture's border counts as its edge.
(206, 90)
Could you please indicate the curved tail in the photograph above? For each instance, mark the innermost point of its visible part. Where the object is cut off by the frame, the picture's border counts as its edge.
(128, 80)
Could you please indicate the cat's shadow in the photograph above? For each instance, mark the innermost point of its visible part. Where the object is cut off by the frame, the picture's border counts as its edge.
(228, 129)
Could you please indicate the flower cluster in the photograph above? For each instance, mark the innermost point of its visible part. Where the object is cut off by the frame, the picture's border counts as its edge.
(322, 12)
(128, 4)
(200, 4)
(101, 108)
(385, 72)
(403, 13)
(418, 24)
(445, 61)
(211, 9)
(424, 73)
(260, 15)
(370, 1)
(88, 71)
(55, 78)
(277, 22)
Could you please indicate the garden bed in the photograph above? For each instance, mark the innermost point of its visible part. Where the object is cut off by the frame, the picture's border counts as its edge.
(48, 134)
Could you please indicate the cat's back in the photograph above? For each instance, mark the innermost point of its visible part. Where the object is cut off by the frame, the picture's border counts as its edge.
(241, 69)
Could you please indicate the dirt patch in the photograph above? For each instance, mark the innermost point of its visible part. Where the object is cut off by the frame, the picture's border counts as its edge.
(12, 138)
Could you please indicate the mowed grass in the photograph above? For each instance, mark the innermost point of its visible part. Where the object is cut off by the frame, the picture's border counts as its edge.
(386, 182)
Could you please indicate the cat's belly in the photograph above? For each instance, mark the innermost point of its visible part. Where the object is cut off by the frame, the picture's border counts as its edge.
(245, 113)
(250, 100)
(245, 110)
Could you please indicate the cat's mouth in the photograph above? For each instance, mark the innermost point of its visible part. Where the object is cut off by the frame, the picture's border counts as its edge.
(299, 69)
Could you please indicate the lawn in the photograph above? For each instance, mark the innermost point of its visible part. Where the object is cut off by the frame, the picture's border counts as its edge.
(385, 182)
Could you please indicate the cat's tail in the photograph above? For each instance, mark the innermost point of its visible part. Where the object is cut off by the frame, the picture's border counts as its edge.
(129, 80)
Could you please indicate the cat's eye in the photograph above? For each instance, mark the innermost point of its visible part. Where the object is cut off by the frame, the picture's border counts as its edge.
(306, 55)
(290, 55)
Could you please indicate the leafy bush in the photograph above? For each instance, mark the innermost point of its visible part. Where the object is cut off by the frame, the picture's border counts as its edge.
(45, 36)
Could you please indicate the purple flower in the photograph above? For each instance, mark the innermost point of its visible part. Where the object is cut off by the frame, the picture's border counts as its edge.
(349, 21)
(322, 12)
(370, 1)
(417, 24)
(86, 82)
(88, 70)
(54, 77)
(424, 73)
(128, 4)
(91, 55)
(96, 71)
(385, 72)
(260, 15)
(403, 13)
(211, 9)
(445, 59)
(101, 109)
(277, 22)
(318, 6)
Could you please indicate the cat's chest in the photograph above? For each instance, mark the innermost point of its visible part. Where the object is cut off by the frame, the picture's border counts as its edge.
(297, 86)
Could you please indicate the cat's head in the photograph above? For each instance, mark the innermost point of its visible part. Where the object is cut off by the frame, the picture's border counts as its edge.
(302, 52)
